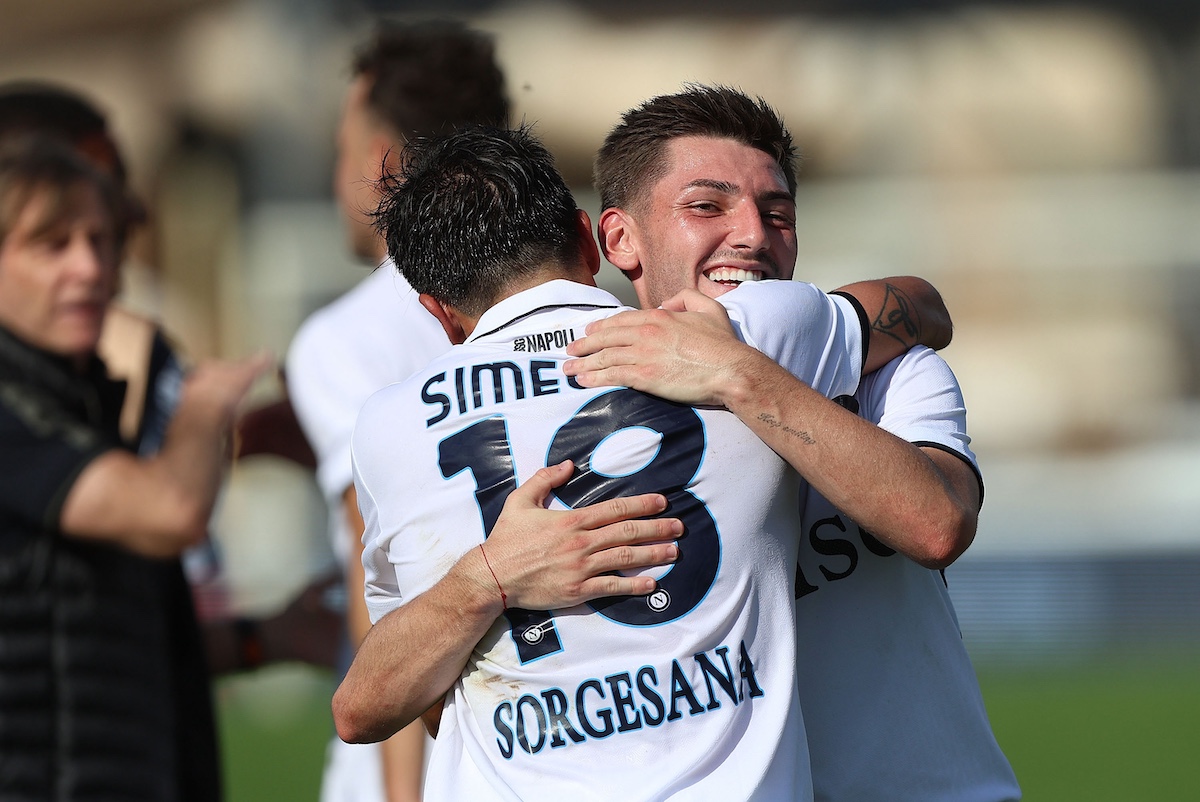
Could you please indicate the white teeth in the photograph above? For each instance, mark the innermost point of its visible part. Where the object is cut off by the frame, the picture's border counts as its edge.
(733, 274)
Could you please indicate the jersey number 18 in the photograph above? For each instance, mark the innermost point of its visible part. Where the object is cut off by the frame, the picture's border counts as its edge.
(484, 449)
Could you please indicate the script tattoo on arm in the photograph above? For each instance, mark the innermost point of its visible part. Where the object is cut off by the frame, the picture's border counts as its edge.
(770, 420)
(898, 317)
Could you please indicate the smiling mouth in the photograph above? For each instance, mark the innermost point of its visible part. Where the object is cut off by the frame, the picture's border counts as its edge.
(732, 276)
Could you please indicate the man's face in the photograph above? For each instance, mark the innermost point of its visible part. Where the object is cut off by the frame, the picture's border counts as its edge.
(721, 215)
(56, 280)
(359, 159)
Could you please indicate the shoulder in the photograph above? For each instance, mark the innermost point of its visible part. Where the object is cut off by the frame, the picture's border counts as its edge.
(919, 370)
(769, 307)
(378, 328)
(775, 298)
(917, 398)
(357, 308)
(44, 447)
(388, 423)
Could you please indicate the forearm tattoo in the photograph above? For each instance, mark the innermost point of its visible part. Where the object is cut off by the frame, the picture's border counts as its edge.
(770, 420)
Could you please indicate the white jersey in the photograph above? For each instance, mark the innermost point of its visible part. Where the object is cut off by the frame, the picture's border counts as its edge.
(890, 699)
(685, 694)
(375, 334)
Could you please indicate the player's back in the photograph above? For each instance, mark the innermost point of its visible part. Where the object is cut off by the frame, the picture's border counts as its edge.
(664, 686)
(687, 693)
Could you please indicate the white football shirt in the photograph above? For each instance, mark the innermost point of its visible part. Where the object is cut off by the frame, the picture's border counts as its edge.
(686, 694)
(376, 334)
(890, 699)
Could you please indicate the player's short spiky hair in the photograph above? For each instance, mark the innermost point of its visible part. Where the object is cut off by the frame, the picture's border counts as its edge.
(430, 77)
(470, 212)
(632, 157)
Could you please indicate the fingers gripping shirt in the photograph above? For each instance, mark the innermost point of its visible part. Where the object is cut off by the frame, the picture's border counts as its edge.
(690, 689)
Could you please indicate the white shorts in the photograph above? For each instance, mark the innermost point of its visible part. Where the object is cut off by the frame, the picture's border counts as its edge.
(353, 773)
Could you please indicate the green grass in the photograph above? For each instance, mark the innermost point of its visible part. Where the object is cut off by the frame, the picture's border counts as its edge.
(1100, 731)
(274, 727)
(1092, 732)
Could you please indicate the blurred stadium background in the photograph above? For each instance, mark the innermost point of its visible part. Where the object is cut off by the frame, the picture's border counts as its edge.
(1039, 162)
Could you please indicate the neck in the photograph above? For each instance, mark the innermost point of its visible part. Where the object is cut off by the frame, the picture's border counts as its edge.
(577, 273)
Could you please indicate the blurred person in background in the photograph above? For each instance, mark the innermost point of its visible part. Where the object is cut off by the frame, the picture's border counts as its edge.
(408, 80)
(136, 350)
(103, 688)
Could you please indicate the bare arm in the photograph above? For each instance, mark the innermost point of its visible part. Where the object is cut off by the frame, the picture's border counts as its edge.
(542, 559)
(902, 311)
(885, 484)
(923, 503)
(160, 505)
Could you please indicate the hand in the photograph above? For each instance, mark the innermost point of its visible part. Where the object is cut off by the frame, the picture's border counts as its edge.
(684, 351)
(550, 559)
(218, 386)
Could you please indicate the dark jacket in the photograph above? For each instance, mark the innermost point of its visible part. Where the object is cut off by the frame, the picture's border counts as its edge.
(103, 688)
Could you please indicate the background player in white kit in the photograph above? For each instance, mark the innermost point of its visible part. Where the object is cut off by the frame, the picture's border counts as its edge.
(409, 79)
(688, 690)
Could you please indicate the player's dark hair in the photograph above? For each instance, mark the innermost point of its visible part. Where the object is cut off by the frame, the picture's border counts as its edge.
(470, 212)
(46, 168)
(430, 77)
(633, 156)
(38, 109)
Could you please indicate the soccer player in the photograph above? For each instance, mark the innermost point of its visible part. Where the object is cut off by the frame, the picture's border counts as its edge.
(685, 688)
(891, 703)
(409, 79)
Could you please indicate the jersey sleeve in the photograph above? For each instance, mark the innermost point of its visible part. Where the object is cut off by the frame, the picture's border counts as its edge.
(371, 467)
(327, 386)
(917, 398)
(816, 336)
(43, 450)
(376, 334)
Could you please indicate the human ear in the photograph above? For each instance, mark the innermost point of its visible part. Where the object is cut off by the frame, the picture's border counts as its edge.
(618, 241)
(445, 315)
(590, 254)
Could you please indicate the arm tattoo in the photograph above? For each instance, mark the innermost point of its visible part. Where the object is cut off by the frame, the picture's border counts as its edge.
(774, 423)
(898, 318)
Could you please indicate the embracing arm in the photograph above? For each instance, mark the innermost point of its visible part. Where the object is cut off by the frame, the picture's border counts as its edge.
(686, 352)
(922, 502)
(902, 311)
(542, 559)
(158, 506)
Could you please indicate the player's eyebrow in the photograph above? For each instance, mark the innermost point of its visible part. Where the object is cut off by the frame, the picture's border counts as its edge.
(777, 195)
(712, 183)
(729, 188)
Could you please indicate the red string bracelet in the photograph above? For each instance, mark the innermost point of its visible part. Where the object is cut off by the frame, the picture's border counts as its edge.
(503, 595)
